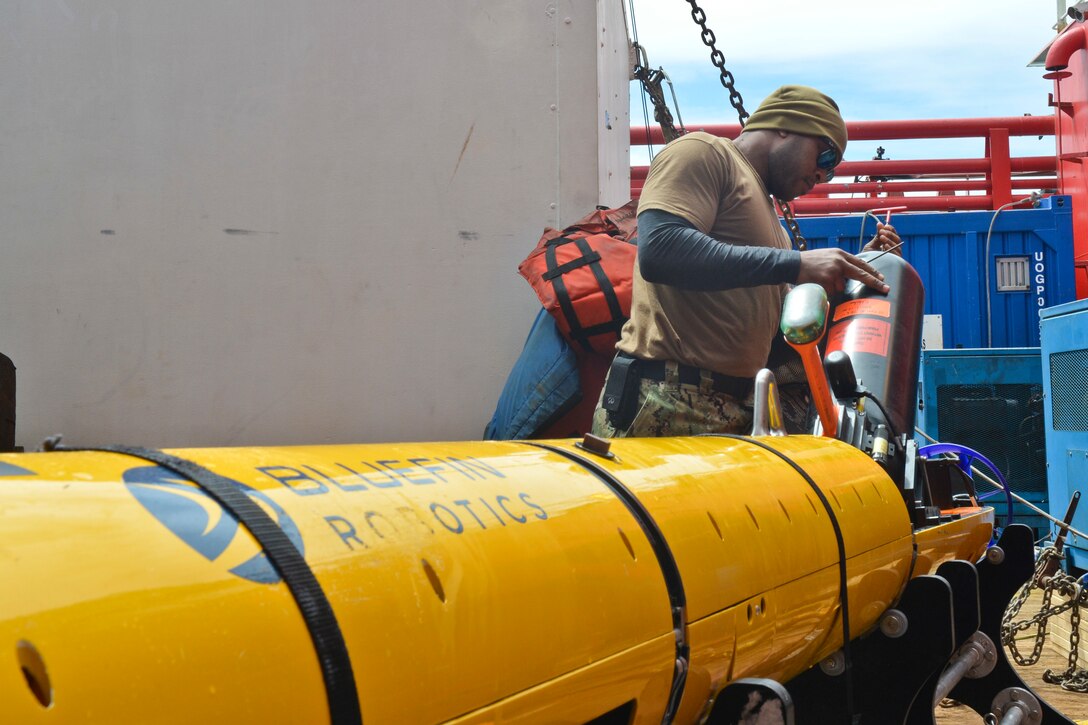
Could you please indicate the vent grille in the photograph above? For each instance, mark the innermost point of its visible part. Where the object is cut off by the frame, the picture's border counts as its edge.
(1069, 390)
(1003, 422)
(1013, 274)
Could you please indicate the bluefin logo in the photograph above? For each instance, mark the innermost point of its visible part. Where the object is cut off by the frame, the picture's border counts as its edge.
(198, 520)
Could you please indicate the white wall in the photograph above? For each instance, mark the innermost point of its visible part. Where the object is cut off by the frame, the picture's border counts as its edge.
(269, 222)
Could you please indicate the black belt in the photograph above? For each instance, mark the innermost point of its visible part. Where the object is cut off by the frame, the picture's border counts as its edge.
(691, 375)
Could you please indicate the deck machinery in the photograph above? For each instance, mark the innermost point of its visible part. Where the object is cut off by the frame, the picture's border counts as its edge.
(838, 577)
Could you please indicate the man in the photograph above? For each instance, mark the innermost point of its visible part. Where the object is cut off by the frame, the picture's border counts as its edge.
(714, 265)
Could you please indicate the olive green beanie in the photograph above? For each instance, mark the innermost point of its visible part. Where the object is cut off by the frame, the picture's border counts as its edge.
(803, 110)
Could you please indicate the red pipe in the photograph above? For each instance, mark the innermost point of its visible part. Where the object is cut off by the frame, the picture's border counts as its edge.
(807, 205)
(1062, 49)
(882, 187)
(992, 173)
(941, 167)
(997, 151)
(924, 203)
(893, 130)
(929, 167)
(949, 127)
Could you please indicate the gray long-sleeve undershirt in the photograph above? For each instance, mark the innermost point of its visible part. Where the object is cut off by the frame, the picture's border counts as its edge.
(672, 251)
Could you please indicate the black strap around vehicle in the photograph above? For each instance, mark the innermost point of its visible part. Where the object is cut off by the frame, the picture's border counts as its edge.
(592, 259)
(328, 640)
(666, 562)
(844, 602)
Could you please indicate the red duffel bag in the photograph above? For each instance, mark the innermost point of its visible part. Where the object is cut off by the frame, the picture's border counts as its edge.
(582, 276)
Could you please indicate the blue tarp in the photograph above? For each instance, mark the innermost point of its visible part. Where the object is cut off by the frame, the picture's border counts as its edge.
(542, 385)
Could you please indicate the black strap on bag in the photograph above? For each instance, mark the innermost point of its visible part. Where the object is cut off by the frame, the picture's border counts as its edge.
(328, 640)
(554, 274)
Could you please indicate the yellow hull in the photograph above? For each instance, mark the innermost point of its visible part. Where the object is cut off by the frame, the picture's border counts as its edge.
(472, 581)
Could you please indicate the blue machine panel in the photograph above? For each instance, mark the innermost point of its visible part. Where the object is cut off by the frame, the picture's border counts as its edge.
(991, 401)
(1065, 383)
(1029, 250)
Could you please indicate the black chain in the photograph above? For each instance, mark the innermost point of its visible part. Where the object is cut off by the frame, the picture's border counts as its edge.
(1073, 597)
(735, 99)
(1074, 678)
(716, 57)
(795, 231)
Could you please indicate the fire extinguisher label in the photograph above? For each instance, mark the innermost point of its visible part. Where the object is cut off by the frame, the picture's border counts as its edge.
(864, 335)
(870, 306)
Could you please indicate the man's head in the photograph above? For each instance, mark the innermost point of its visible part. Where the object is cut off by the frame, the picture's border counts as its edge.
(812, 139)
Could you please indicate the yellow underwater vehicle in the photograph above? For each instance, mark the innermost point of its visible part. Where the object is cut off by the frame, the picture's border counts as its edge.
(835, 578)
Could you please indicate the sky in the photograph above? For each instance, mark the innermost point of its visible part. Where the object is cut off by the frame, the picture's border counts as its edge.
(878, 60)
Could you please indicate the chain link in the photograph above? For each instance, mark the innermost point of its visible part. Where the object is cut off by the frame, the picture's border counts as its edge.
(716, 57)
(1073, 678)
(1072, 596)
(737, 101)
(791, 222)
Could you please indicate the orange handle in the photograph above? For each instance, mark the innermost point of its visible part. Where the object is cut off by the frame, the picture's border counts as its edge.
(821, 391)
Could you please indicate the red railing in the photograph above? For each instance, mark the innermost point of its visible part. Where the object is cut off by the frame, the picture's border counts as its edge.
(945, 183)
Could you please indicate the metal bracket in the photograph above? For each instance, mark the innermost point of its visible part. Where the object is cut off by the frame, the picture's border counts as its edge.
(766, 407)
(752, 697)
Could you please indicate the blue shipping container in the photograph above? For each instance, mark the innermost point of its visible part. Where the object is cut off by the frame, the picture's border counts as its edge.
(1029, 262)
(992, 401)
(1065, 410)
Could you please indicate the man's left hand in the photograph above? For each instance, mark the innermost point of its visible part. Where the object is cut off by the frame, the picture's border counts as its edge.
(886, 239)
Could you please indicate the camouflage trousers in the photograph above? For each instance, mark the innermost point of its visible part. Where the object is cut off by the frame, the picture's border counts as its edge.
(672, 408)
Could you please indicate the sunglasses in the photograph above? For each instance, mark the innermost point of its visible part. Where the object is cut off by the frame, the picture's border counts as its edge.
(828, 159)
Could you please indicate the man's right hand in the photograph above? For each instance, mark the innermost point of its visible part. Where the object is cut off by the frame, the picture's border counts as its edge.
(830, 268)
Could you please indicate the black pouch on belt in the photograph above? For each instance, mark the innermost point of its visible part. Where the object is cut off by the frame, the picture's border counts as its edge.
(620, 396)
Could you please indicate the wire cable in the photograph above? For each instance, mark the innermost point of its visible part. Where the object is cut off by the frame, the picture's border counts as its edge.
(640, 54)
(887, 418)
(1034, 196)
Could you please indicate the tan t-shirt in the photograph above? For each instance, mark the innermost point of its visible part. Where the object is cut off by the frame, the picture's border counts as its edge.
(707, 181)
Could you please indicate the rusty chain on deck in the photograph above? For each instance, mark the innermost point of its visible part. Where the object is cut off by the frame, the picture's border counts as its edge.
(1049, 578)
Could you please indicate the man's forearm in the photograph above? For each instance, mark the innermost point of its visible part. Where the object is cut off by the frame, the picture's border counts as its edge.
(671, 251)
